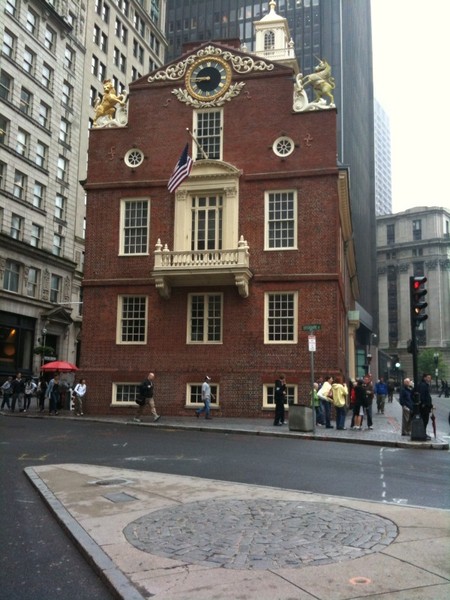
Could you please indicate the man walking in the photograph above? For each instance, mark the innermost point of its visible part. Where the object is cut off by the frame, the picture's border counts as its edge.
(18, 393)
(407, 404)
(146, 391)
(206, 398)
(381, 391)
(280, 399)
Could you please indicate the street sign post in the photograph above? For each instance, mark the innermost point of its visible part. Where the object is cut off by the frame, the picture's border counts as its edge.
(312, 349)
(312, 327)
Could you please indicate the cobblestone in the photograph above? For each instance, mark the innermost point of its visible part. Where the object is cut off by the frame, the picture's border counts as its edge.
(260, 534)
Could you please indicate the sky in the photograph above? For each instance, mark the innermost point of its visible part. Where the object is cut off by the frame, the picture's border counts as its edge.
(411, 58)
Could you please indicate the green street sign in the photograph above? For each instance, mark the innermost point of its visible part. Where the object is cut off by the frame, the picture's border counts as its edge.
(313, 327)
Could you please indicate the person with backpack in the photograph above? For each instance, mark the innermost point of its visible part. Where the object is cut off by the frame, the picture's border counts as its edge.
(7, 392)
(146, 391)
(30, 389)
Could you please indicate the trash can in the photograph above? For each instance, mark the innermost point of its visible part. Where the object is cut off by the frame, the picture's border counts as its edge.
(300, 418)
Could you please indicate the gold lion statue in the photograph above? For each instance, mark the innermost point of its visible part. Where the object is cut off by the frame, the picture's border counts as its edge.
(106, 107)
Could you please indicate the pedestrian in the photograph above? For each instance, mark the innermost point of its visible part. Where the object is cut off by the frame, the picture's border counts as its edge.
(280, 394)
(315, 403)
(42, 389)
(407, 404)
(340, 395)
(146, 393)
(391, 389)
(78, 395)
(206, 399)
(325, 394)
(367, 383)
(52, 393)
(7, 393)
(381, 391)
(30, 389)
(18, 392)
(358, 406)
(426, 403)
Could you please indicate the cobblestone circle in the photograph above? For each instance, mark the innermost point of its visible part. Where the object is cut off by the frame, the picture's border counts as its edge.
(260, 534)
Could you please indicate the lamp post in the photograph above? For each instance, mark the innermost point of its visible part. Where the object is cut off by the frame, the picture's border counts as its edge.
(369, 360)
(436, 369)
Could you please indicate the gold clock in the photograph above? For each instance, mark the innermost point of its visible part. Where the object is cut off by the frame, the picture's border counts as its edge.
(208, 78)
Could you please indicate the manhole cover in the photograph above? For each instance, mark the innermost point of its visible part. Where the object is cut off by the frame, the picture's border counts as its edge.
(260, 534)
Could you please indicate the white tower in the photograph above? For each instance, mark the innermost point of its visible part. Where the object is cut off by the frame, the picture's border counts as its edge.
(273, 40)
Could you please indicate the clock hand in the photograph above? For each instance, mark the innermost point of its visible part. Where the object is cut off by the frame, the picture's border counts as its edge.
(207, 78)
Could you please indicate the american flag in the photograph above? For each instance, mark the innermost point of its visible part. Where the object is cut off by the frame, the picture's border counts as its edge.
(181, 171)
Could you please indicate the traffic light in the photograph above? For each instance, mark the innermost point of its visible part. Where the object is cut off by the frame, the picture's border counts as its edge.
(417, 294)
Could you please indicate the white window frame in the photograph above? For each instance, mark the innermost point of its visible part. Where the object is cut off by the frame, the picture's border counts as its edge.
(121, 318)
(36, 235)
(55, 290)
(33, 282)
(20, 185)
(268, 195)
(11, 277)
(294, 317)
(207, 318)
(203, 137)
(194, 395)
(126, 389)
(125, 231)
(58, 245)
(269, 398)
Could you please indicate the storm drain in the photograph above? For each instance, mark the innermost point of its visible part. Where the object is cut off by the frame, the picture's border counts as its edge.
(120, 497)
(109, 482)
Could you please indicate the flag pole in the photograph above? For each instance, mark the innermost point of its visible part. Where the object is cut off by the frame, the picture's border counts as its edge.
(197, 143)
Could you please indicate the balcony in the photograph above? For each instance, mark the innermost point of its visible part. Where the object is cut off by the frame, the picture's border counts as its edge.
(202, 267)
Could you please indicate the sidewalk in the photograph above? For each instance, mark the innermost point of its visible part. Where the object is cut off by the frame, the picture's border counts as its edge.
(386, 431)
(185, 538)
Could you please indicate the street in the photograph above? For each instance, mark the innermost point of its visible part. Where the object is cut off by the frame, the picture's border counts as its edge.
(42, 562)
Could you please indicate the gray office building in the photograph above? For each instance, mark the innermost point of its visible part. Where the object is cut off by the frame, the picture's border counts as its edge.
(340, 32)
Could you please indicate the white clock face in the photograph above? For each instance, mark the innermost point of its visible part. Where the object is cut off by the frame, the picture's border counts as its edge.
(208, 78)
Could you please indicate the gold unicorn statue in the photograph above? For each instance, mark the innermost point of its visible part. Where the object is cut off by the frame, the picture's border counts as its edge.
(321, 81)
(105, 109)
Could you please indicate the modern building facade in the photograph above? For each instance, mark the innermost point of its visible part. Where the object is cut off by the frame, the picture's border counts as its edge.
(383, 165)
(340, 32)
(55, 56)
(226, 275)
(415, 242)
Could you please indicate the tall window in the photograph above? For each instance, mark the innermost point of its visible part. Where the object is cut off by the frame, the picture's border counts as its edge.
(4, 127)
(204, 318)
(50, 39)
(23, 142)
(11, 7)
(69, 58)
(61, 171)
(11, 276)
(135, 226)
(6, 84)
(281, 219)
(2, 180)
(208, 129)
(207, 223)
(269, 40)
(390, 233)
(67, 94)
(26, 101)
(20, 185)
(47, 77)
(29, 60)
(9, 42)
(38, 195)
(55, 288)
(64, 131)
(132, 320)
(58, 244)
(417, 229)
(280, 317)
(32, 22)
(44, 115)
(16, 227)
(32, 282)
(41, 155)
(36, 235)
(60, 207)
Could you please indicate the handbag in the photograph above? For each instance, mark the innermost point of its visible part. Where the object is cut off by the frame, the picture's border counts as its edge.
(140, 400)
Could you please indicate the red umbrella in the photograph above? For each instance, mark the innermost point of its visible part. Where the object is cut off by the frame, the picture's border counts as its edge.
(59, 365)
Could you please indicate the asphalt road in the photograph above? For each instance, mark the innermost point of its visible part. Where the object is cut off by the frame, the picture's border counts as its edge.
(39, 562)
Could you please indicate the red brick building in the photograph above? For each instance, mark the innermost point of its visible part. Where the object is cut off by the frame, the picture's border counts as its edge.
(220, 277)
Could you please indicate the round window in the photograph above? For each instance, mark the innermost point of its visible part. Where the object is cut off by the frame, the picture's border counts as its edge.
(134, 158)
(283, 146)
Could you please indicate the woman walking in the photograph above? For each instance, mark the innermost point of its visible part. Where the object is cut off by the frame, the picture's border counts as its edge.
(78, 395)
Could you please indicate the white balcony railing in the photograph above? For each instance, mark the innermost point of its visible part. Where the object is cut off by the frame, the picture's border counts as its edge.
(189, 267)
